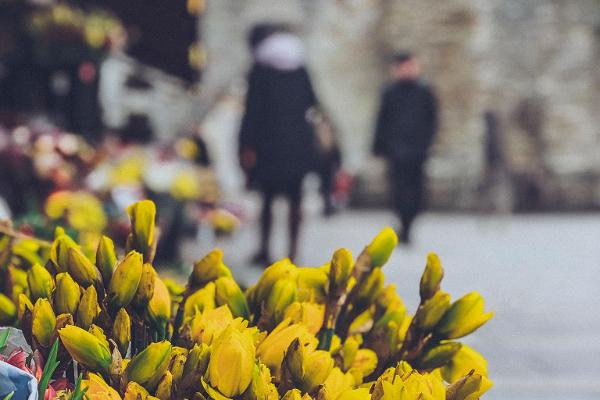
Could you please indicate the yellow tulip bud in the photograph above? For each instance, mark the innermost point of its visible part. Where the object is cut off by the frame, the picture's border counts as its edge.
(336, 383)
(283, 293)
(85, 348)
(261, 387)
(471, 387)
(159, 306)
(148, 366)
(229, 293)
(59, 251)
(99, 333)
(80, 268)
(125, 280)
(66, 298)
(40, 282)
(122, 331)
(432, 277)
(24, 306)
(145, 289)
(201, 300)
(309, 314)
(44, 322)
(206, 327)
(209, 268)
(306, 369)
(356, 394)
(438, 355)
(432, 311)
(465, 360)
(135, 391)
(281, 270)
(195, 366)
(369, 288)
(177, 363)
(143, 215)
(88, 308)
(464, 316)
(8, 310)
(292, 394)
(231, 362)
(381, 247)
(340, 270)
(106, 258)
(97, 388)
(165, 385)
(312, 284)
(365, 361)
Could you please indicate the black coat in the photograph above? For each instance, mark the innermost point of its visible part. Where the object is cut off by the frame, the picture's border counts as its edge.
(407, 122)
(275, 125)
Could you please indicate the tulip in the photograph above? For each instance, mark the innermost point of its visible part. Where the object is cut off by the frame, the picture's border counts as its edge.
(438, 355)
(8, 310)
(231, 362)
(471, 387)
(99, 333)
(340, 270)
(148, 366)
(66, 298)
(381, 247)
(309, 314)
(40, 282)
(97, 388)
(195, 366)
(165, 385)
(159, 306)
(206, 327)
(80, 268)
(356, 394)
(201, 300)
(336, 383)
(292, 394)
(44, 322)
(465, 360)
(305, 368)
(283, 293)
(24, 306)
(134, 391)
(464, 316)
(125, 280)
(88, 308)
(432, 277)
(432, 311)
(313, 284)
(59, 251)
(145, 288)
(261, 387)
(142, 215)
(365, 362)
(369, 288)
(228, 292)
(177, 363)
(122, 330)
(281, 270)
(208, 269)
(85, 348)
(106, 258)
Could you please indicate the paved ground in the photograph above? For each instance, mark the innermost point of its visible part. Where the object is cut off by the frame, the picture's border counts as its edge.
(538, 273)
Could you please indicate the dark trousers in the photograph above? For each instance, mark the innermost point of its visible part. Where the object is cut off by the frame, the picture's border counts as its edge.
(407, 184)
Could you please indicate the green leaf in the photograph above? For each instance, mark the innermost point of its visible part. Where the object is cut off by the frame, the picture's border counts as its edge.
(78, 394)
(49, 368)
(3, 338)
(9, 396)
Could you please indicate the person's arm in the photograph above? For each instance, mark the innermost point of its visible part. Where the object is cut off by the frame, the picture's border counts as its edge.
(249, 126)
(432, 115)
(381, 126)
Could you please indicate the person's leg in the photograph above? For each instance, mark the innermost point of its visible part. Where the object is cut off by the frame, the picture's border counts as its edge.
(266, 222)
(294, 196)
(412, 192)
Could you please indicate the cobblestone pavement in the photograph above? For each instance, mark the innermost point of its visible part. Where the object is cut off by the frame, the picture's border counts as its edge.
(539, 273)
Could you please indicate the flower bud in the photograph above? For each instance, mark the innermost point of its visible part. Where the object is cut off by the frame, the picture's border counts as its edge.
(135, 391)
(165, 385)
(59, 251)
(464, 316)
(209, 325)
(97, 388)
(208, 269)
(471, 387)
(313, 284)
(44, 322)
(465, 360)
(24, 305)
(125, 280)
(309, 314)
(66, 297)
(85, 348)
(88, 308)
(432, 311)
(283, 293)
(261, 387)
(142, 215)
(381, 247)
(148, 366)
(80, 268)
(365, 362)
(122, 331)
(432, 277)
(201, 300)
(145, 288)
(228, 292)
(99, 333)
(336, 383)
(177, 363)
(195, 366)
(292, 394)
(231, 362)
(106, 258)
(159, 306)
(438, 355)
(40, 282)
(281, 270)
(340, 270)
(8, 310)
(307, 369)
(369, 288)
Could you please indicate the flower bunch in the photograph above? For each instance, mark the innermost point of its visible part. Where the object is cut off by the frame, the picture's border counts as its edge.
(333, 332)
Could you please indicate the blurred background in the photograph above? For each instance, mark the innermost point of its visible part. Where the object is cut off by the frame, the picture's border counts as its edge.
(106, 102)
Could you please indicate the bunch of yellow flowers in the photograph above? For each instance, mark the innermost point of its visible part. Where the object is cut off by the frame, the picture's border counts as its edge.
(333, 332)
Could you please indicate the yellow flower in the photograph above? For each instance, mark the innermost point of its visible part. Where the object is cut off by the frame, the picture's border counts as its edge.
(159, 306)
(229, 293)
(165, 386)
(41, 284)
(80, 268)
(209, 268)
(59, 251)
(44, 322)
(306, 368)
(281, 270)
(464, 316)
(8, 310)
(88, 308)
(207, 326)
(85, 348)
(125, 280)
(145, 288)
(195, 366)
(261, 387)
(66, 298)
(122, 331)
(432, 277)
(340, 270)
(201, 300)
(148, 366)
(465, 360)
(309, 314)
(471, 387)
(142, 215)
(432, 311)
(438, 355)
(134, 391)
(231, 362)
(336, 383)
(381, 247)
(106, 258)
(98, 389)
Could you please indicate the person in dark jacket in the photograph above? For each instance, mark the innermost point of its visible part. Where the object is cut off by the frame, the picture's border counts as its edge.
(406, 126)
(276, 141)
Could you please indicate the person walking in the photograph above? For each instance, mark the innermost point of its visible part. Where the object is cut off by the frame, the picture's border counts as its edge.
(406, 126)
(276, 141)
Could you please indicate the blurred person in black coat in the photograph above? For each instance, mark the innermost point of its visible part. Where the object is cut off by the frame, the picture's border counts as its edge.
(406, 126)
(276, 141)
